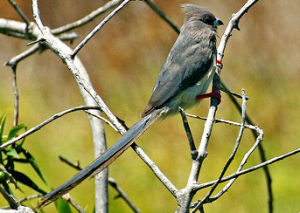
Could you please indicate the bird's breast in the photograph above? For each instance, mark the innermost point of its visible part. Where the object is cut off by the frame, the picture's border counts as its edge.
(187, 98)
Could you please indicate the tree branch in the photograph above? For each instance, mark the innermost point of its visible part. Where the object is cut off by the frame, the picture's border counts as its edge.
(86, 19)
(162, 15)
(237, 143)
(19, 11)
(98, 27)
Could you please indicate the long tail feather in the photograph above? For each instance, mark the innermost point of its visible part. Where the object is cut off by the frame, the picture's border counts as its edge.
(104, 160)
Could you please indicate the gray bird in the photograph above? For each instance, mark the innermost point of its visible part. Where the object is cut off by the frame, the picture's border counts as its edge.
(182, 82)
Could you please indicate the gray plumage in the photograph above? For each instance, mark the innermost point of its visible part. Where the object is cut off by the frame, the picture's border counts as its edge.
(191, 59)
(187, 73)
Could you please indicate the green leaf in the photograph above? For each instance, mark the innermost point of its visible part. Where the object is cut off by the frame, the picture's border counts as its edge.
(14, 131)
(2, 124)
(11, 152)
(3, 177)
(22, 178)
(30, 159)
(62, 206)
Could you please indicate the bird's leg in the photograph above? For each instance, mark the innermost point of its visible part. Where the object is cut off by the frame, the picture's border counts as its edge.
(214, 94)
(220, 64)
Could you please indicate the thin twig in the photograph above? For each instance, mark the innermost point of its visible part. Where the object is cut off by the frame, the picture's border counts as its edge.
(188, 131)
(11, 178)
(31, 197)
(230, 159)
(103, 119)
(13, 202)
(162, 15)
(86, 19)
(15, 60)
(20, 12)
(248, 170)
(243, 162)
(247, 126)
(70, 163)
(67, 197)
(52, 118)
(226, 90)
(98, 27)
(261, 150)
(21, 30)
(123, 195)
(157, 172)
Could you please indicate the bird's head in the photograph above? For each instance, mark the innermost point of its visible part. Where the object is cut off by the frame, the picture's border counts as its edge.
(196, 13)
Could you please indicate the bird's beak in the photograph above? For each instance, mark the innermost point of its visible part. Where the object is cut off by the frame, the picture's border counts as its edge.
(217, 22)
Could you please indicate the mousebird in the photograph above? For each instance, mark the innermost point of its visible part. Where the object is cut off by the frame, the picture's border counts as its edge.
(182, 82)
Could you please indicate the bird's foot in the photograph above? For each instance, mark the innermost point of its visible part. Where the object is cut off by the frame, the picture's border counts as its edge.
(214, 94)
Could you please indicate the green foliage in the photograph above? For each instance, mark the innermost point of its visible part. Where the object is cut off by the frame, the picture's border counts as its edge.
(62, 206)
(13, 154)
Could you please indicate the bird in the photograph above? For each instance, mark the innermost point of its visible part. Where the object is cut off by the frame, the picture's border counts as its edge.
(183, 81)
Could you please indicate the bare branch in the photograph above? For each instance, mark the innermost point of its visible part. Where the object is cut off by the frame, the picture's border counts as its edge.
(52, 118)
(13, 202)
(233, 23)
(88, 18)
(158, 173)
(15, 60)
(243, 162)
(98, 27)
(30, 198)
(67, 197)
(11, 178)
(162, 15)
(247, 126)
(70, 163)
(19, 11)
(261, 150)
(123, 195)
(103, 119)
(194, 152)
(24, 200)
(21, 30)
(236, 146)
(251, 169)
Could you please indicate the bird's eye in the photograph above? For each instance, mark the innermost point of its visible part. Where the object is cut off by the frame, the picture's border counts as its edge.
(207, 19)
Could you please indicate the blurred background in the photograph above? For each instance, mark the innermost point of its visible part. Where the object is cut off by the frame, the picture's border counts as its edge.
(123, 61)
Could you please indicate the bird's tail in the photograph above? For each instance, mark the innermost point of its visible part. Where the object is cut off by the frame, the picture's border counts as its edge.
(105, 159)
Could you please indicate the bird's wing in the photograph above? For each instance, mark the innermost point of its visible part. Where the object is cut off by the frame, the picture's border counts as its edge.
(187, 62)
